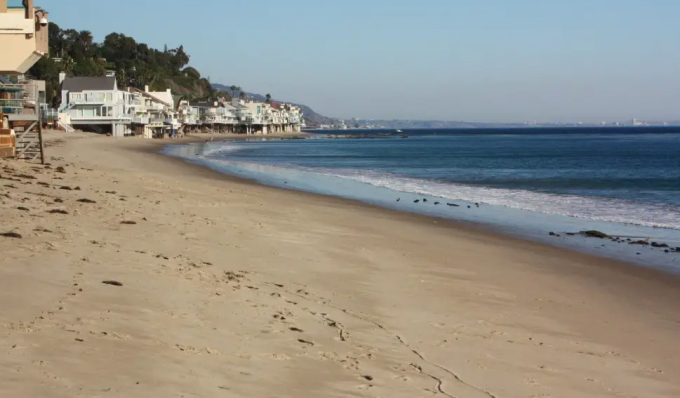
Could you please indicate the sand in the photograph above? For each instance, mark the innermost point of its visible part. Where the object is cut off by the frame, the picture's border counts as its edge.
(218, 287)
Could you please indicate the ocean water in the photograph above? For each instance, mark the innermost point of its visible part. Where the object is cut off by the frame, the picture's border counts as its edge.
(526, 182)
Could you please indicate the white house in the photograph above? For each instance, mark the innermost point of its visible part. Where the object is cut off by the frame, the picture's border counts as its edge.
(152, 117)
(189, 115)
(95, 102)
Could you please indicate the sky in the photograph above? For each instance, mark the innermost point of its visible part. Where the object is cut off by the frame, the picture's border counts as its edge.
(484, 61)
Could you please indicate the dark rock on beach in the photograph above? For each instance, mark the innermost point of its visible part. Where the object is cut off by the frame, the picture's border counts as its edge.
(595, 234)
(639, 242)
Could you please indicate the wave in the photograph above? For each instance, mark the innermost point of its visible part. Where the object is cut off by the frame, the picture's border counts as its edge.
(646, 214)
(593, 208)
(201, 150)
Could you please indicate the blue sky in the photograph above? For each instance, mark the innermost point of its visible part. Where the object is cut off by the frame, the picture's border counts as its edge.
(491, 60)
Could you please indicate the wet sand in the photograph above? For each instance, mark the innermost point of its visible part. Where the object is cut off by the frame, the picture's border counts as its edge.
(218, 287)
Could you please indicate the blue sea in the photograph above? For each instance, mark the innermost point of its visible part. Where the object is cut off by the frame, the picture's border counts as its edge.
(524, 182)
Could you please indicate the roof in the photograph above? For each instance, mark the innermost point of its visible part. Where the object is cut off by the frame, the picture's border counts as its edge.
(162, 96)
(177, 99)
(149, 95)
(202, 104)
(78, 84)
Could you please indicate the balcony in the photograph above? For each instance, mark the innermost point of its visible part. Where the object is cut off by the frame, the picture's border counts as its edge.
(13, 106)
(23, 36)
(49, 114)
(98, 118)
(140, 120)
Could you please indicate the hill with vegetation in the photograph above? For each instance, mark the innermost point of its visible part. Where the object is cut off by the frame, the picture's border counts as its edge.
(136, 64)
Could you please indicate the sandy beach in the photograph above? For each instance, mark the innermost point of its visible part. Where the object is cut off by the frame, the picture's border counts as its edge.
(218, 287)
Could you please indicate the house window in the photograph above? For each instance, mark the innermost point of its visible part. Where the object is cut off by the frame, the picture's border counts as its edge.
(76, 97)
(109, 97)
(88, 111)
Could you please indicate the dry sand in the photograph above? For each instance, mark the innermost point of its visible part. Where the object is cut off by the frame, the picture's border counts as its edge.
(230, 289)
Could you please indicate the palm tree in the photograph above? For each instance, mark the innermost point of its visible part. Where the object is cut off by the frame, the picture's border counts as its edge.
(268, 98)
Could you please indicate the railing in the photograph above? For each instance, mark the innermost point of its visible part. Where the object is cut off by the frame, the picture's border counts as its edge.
(95, 117)
(156, 120)
(13, 106)
(49, 114)
(140, 119)
(80, 101)
(66, 127)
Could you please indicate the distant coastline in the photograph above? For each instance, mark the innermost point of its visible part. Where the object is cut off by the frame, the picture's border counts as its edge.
(675, 129)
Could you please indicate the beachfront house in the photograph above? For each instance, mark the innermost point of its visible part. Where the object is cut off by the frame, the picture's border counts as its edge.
(97, 104)
(22, 96)
(23, 36)
(189, 116)
(171, 117)
(152, 115)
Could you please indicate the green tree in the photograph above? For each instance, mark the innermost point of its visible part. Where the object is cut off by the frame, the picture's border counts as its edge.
(135, 64)
(268, 98)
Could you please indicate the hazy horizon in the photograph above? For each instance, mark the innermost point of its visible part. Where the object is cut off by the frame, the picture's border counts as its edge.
(500, 61)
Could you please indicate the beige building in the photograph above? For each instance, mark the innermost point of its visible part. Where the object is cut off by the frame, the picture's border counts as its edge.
(23, 36)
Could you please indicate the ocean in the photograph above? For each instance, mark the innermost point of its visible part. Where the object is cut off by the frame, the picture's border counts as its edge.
(524, 182)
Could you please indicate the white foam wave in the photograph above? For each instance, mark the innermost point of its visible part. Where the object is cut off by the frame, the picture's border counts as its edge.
(594, 208)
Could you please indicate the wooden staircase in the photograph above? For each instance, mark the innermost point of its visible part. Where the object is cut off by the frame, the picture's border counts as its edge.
(29, 143)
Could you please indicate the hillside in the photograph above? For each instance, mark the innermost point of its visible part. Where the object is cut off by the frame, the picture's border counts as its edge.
(312, 118)
(136, 64)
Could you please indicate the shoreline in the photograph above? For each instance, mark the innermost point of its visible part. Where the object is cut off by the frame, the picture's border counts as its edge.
(483, 231)
(574, 241)
(215, 262)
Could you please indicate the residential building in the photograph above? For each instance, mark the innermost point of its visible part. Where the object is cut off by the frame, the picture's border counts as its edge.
(189, 116)
(97, 104)
(152, 115)
(169, 113)
(22, 98)
(23, 36)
